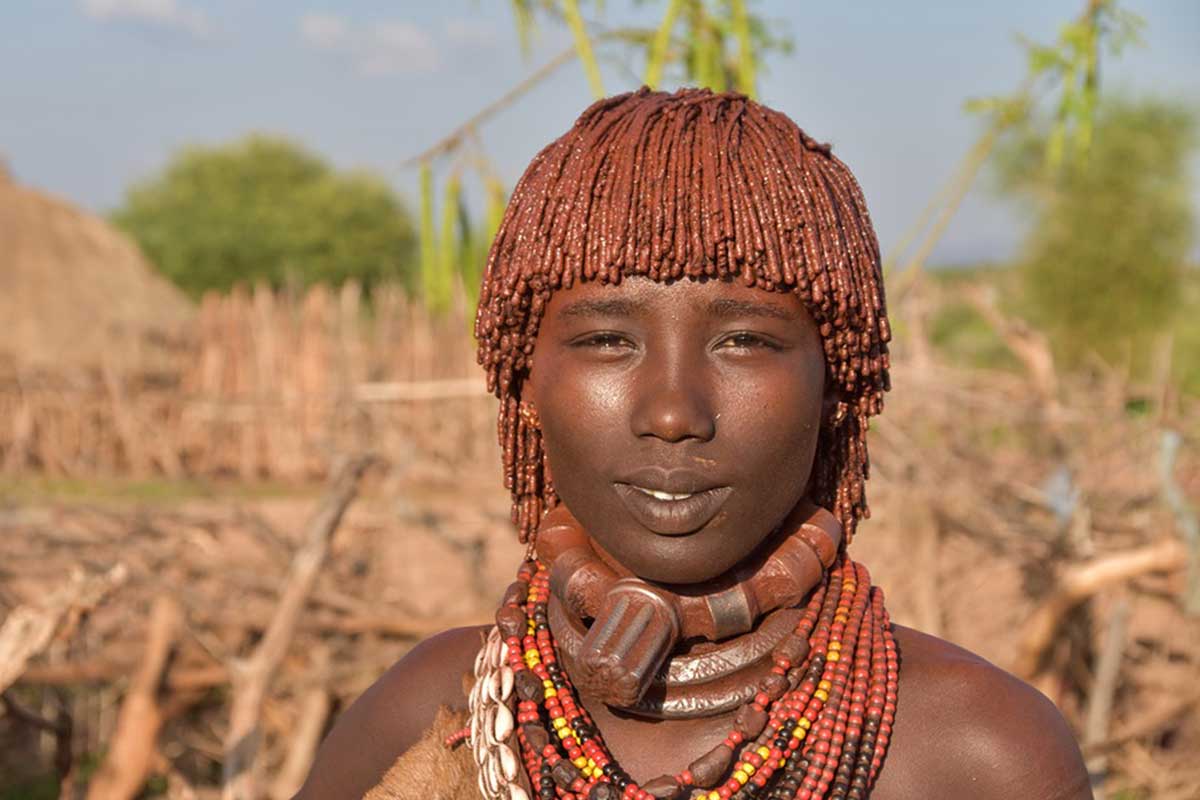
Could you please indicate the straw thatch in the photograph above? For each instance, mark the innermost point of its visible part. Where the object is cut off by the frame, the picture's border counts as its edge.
(74, 291)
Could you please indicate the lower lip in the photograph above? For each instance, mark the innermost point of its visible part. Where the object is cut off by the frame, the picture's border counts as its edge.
(673, 517)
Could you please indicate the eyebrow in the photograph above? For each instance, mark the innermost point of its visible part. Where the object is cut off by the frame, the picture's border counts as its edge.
(725, 309)
(610, 307)
(721, 309)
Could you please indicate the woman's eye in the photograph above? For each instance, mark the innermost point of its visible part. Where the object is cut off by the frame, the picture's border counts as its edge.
(603, 341)
(744, 340)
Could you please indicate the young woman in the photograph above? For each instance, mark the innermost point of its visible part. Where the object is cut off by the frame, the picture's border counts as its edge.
(683, 318)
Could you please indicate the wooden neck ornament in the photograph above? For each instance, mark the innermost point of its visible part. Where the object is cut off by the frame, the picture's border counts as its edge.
(636, 625)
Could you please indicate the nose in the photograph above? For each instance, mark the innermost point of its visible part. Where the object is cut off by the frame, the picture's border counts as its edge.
(673, 404)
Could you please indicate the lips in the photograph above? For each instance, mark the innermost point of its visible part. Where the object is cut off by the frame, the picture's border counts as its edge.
(688, 512)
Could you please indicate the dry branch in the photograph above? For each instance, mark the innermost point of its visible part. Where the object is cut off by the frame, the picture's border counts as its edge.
(449, 142)
(197, 678)
(1030, 346)
(1185, 515)
(315, 705)
(1149, 726)
(133, 747)
(271, 385)
(1104, 688)
(101, 672)
(1080, 582)
(19, 712)
(62, 728)
(28, 630)
(251, 676)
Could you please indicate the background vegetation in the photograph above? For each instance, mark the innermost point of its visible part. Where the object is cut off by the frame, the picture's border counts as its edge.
(265, 209)
(1104, 265)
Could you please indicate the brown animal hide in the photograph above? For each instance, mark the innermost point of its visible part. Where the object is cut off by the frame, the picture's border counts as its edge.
(428, 770)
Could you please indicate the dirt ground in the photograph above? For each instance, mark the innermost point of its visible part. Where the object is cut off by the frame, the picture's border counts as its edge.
(417, 554)
(986, 509)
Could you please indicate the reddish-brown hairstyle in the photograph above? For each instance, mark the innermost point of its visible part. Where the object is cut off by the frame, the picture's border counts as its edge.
(689, 185)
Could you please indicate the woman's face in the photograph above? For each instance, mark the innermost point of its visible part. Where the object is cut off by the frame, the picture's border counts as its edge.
(680, 420)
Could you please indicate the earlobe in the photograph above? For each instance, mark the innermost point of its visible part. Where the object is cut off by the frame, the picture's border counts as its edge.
(529, 415)
(833, 406)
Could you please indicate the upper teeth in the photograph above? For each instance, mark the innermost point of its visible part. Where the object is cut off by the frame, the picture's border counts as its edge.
(664, 495)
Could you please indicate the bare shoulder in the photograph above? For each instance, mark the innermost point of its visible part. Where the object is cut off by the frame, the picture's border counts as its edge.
(966, 728)
(393, 714)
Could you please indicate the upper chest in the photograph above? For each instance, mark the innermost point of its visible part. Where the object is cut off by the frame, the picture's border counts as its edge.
(646, 749)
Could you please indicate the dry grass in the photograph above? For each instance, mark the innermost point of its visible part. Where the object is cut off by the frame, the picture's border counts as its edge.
(75, 292)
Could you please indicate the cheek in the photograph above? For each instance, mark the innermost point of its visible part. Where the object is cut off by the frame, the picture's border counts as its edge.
(775, 421)
(582, 416)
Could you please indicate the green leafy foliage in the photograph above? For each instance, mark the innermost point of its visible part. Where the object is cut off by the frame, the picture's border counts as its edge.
(1070, 66)
(1103, 267)
(718, 44)
(477, 239)
(583, 46)
(264, 209)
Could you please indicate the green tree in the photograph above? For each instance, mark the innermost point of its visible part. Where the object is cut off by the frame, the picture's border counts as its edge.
(1103, 264)
(265, 209)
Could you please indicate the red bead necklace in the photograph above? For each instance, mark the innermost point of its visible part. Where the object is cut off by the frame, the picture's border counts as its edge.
(816, 729)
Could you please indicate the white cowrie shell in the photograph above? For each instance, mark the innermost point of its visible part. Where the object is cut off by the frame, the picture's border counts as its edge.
(479, 749)
(489, 725)
(502, 724)
(497, 655)
(506, 682)
(479, 659)
(508, 762)
(515, 792)
(496, 648)
(495, 775)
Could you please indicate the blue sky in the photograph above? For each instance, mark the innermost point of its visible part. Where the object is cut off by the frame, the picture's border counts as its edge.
(98, 93)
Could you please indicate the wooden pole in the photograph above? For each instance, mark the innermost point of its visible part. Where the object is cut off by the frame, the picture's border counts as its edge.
(251, 676)
(133, 747)
(315, 703)
(1080, 582)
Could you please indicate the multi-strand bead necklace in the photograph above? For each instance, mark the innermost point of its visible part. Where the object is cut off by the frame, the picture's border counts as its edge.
(818, 727)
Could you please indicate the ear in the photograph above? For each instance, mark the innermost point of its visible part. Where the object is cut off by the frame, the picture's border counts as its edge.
(526, 386)
(832, 402)
(527, 410)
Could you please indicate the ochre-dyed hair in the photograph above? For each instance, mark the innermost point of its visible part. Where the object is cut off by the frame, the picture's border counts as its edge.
(689, 185)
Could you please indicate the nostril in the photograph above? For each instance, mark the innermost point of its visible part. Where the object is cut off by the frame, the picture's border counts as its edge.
(675, 416)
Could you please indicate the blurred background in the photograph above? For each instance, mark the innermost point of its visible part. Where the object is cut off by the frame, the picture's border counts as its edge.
(247, 459)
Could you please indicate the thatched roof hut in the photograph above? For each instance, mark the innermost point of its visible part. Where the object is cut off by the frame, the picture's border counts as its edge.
(74, 291)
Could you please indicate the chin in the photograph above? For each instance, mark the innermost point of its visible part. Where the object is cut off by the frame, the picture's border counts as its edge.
(670, 571)
(673, 577)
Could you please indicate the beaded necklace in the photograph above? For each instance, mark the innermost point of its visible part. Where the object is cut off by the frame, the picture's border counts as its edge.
(818, 727)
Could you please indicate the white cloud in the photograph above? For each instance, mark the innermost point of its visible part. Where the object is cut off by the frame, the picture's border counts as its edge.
(169, 14)
(393, 47)
(323, 31)
(387, 47)
(471, 32)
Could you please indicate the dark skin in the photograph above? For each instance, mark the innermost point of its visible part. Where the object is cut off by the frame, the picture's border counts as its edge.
(723, 385)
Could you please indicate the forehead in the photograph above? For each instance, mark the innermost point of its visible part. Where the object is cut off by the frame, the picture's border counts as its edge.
(684, 299)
